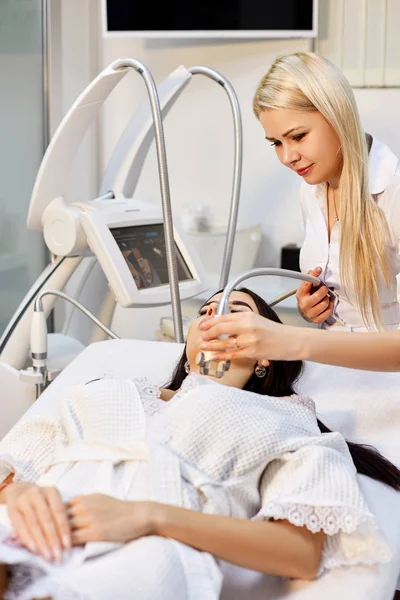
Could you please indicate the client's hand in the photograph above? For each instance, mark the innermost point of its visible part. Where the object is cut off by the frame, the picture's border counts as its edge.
(39, 518)
(102, 518)
(251, 336)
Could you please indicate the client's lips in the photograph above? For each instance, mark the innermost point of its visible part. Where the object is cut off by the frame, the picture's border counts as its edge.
(305, 170)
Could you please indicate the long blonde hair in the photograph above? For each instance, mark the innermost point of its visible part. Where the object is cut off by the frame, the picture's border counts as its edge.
(305, 81)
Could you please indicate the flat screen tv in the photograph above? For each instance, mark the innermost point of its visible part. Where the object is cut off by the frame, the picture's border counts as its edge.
(211, 19)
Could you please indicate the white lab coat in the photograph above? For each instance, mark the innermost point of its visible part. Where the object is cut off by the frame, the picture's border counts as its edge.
(317, 250)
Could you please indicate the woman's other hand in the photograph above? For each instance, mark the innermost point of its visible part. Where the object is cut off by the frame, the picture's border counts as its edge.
(314, 304)
(102, 518)
(39, 518)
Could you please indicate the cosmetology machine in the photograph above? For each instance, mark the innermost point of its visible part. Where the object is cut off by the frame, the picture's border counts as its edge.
(127, 251)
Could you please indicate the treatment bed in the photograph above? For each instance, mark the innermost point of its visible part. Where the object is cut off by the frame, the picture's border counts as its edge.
(362, 405)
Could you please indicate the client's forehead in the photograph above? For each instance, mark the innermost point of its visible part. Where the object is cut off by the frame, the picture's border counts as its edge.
(237, 297)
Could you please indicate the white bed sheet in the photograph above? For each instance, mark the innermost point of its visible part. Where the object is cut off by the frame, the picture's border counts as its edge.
(364, 406)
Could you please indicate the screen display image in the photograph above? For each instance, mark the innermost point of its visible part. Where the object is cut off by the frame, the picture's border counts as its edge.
(143, 247)
(208, 15)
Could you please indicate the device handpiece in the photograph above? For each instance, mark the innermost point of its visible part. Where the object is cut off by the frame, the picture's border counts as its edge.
(208, 365)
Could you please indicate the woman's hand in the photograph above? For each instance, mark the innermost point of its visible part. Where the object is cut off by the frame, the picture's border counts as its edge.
(102, 518)
(39, 518)
(256, 338)
(315, 304)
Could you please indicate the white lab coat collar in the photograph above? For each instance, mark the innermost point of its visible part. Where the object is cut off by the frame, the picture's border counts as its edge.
(382, 167)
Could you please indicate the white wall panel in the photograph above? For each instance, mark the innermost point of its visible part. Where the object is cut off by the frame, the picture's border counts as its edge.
(375, 47)
(354, 39)
(362, 38)
(392, 62)
(329, 42)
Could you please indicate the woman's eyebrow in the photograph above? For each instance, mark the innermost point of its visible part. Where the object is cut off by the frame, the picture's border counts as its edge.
(234, 302)
(284, 134)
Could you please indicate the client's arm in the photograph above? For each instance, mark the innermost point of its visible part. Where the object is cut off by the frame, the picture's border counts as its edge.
(259, 337)
(274, 547)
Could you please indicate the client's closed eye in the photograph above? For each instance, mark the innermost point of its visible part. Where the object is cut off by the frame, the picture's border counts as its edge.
(203, 311)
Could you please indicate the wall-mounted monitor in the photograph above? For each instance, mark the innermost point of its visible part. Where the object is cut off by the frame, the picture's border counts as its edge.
(261, 19)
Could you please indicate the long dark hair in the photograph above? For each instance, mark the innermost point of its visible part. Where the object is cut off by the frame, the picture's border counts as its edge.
(279, 381)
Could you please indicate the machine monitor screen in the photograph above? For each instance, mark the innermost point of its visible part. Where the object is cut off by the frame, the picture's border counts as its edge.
(245, 18)
(143, 247)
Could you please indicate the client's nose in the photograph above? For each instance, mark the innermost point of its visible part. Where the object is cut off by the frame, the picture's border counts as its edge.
(211, 310)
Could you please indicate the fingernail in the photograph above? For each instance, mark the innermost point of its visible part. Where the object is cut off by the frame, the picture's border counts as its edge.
(57, 554)
(203, 346)
(66, 542)
(32, 546)
(47, 555)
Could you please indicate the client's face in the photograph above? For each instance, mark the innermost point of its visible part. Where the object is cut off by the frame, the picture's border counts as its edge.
(240, 370)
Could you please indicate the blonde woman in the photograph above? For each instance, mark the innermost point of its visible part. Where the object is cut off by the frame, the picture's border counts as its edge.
(350, 194)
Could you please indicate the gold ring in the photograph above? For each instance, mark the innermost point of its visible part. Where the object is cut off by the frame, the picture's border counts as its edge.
(236, 344)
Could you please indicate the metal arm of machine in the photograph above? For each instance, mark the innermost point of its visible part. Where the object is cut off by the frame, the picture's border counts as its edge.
(165, 191)
(218, 368)
(237, 169)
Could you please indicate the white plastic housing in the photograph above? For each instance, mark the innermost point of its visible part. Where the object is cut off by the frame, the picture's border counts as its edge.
(106, 215)
(127, 159)
(62, 229)
(51, 180)
(39, 338)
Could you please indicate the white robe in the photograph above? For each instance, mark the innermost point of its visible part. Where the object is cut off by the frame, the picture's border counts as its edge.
(211, 448)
